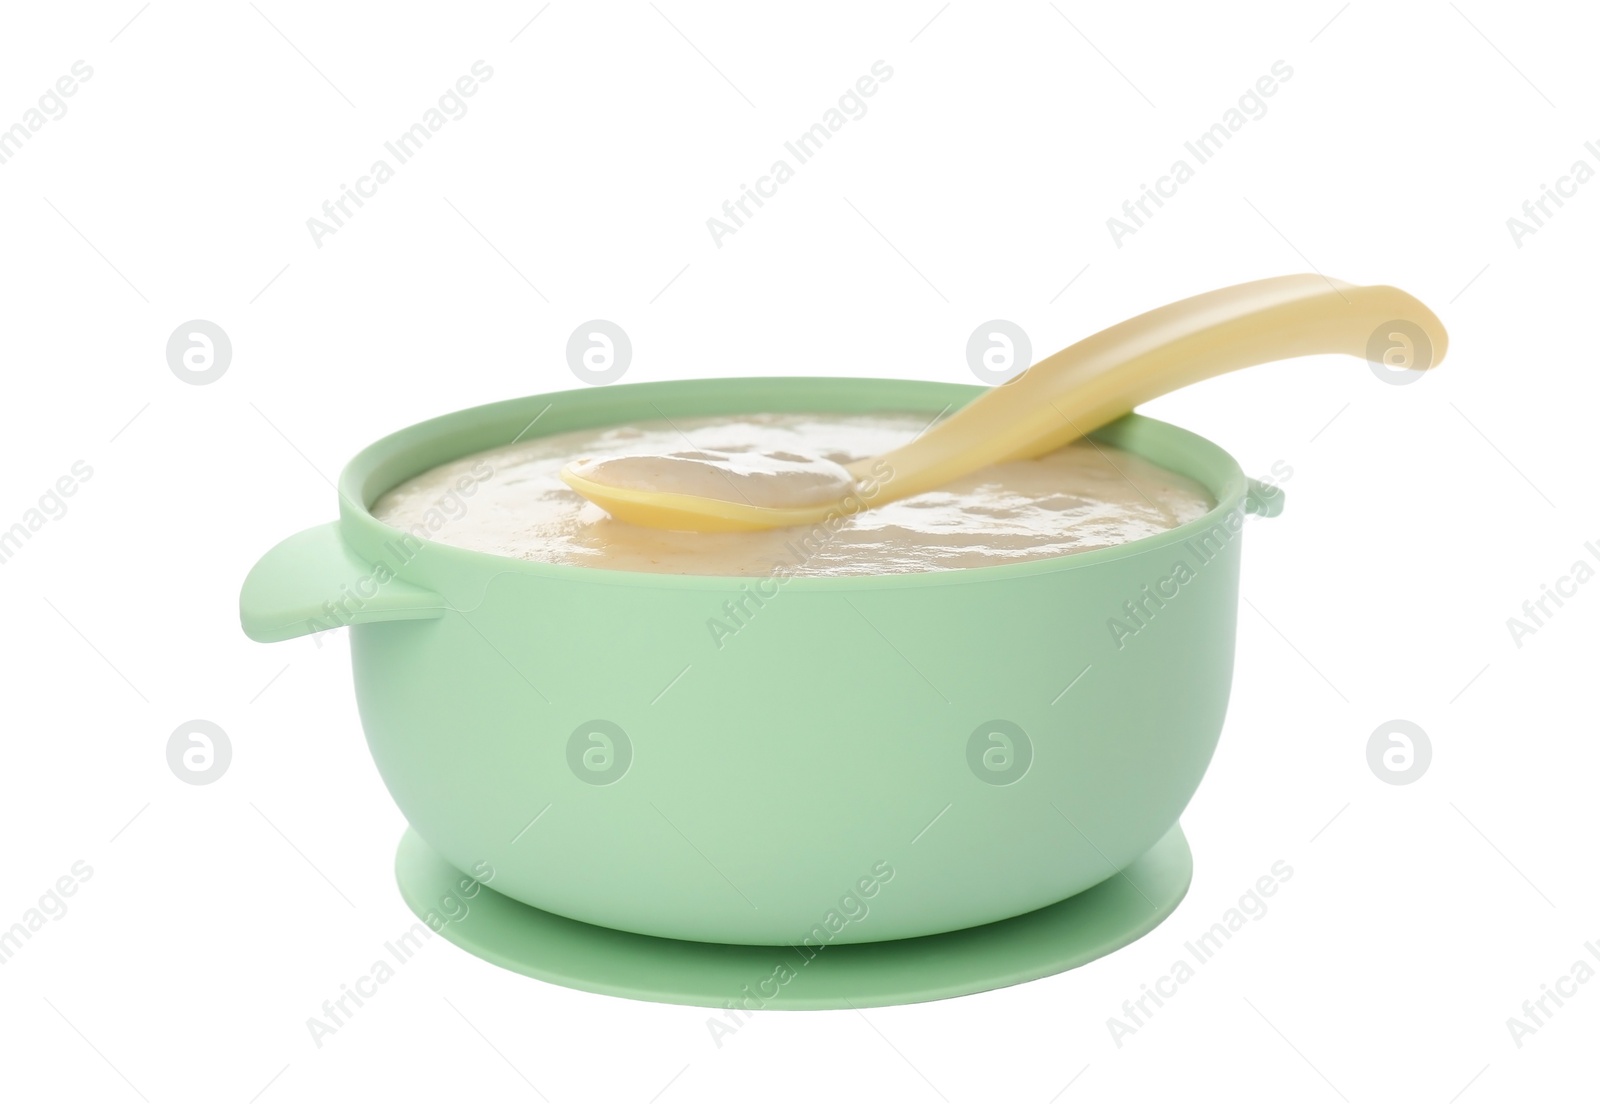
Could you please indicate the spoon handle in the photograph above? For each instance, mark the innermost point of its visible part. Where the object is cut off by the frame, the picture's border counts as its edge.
(1103, 377)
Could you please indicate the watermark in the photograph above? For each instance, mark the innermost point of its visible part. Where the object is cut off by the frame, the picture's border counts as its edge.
(48, 508)
(599, 352)
(1537, 1012)
(1399, 352)
(1251, 106)
(1250, 907)
(998, 351)
(1399, 752)
(851, 908)
(1551, 199)
(452, 907)
(599, 752)
(199, 352)
(450, 106)
(51, 106)
(49, 907)
(808, 543)
(198, 752)
(851, 105)
(1538, 611)
(999, 752)
(450, 506)
(1142, 610)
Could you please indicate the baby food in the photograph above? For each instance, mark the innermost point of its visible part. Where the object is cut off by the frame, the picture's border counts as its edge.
(511, 500)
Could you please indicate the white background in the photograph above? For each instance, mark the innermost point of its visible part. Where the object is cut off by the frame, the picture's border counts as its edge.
(1419, 519)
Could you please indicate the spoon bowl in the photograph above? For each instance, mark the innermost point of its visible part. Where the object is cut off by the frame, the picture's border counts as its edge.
(685, 511)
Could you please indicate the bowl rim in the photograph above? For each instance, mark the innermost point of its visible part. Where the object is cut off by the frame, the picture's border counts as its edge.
(411, 450)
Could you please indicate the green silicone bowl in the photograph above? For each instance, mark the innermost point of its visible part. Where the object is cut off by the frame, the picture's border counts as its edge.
(871, 757)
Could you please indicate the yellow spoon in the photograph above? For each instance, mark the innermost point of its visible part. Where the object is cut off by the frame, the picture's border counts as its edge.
(1063, 397)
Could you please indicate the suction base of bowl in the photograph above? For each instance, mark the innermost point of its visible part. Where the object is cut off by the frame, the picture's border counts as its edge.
(579, 955)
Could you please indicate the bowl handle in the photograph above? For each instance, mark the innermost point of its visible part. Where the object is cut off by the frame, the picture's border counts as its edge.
(312, 582)
(1263, 499)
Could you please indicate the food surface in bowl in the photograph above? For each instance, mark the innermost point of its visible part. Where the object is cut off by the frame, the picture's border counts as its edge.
(511, 501)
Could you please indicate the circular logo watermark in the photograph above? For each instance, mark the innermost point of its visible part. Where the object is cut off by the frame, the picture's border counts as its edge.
(1399, 752)
(199, 352)
(599, 752)
(999, 752)
(199, 752)
(599, 352)
(1399, 352)
(998, 351)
